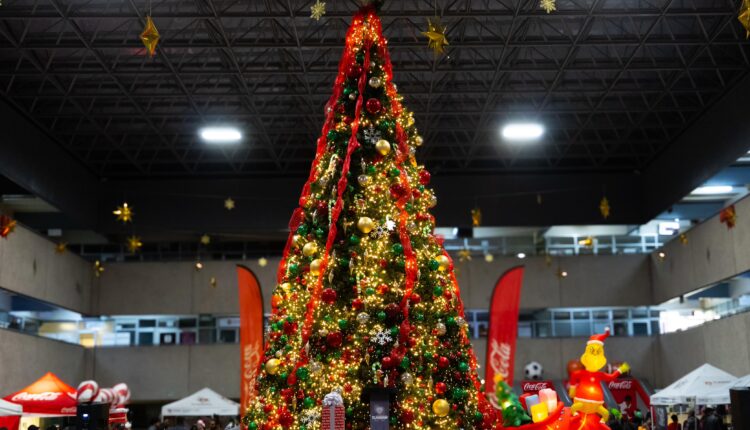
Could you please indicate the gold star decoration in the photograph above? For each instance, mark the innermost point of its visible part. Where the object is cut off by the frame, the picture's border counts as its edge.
(683, 239)
(744, 17)
(61, 247)
(134, 244)
(604, 207)
(587, 242)
(436, 36)
(318, 10)
(476, 217)
(464, 255)
(205, 239)
(489, 258)
(229, 204)
(98, 268)
(150, 36)
(262, 262)
(124, 213)
(548, 5)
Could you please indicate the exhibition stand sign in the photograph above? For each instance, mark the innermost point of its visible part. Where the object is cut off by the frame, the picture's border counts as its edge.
(47, 397)
(720, 395)
(205, 402)
(692, 386)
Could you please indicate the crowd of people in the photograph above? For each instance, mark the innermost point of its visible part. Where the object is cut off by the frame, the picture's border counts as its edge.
(712, 419)
(202, 423)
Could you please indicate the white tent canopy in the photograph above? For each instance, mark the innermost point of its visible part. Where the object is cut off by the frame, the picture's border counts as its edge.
(720, 395)
(8, 408)
(205, 402)
(693, 386)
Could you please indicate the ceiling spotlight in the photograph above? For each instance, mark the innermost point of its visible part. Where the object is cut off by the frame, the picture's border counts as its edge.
(712, 189)
(220, 135)
(521, 255)
(661, 255)
(198, 266)
(523, 131)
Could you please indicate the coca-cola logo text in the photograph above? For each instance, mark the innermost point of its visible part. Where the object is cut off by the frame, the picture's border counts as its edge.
(533, 387)
(500, 356)
(47, 396)
(624, 384)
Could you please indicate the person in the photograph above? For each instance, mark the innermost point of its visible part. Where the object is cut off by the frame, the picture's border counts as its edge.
(626, 406)
(675, 424)
(711, 421)
(691, 423)
(154, 424)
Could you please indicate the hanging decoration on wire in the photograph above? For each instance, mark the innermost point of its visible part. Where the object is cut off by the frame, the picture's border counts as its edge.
(549, 6)
(229, 204)
(98, 268)
(464, 255)
(744, 17)
(684, 239)
(7, 226)
(436, 39)
(124, 213)
(604, 207)
(728, 216)
(61, 247)
(317, 10)
(150, 35)
(476, 217)
(134, 244)
(206, 240)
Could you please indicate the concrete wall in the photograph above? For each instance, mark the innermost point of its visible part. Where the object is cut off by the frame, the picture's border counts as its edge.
(724, 343)
(713, 253)
(177, 288)
(24, 359)
(29, 265)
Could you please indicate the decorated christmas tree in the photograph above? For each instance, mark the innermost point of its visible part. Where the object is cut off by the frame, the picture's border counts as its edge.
(367, 300)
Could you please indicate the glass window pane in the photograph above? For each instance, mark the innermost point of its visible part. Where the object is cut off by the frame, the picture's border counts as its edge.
(227, 336)
(620, 329)
(640, 329)
(187, 323)
(145, 338)
(563, 329)
(207, 336)
(560, 315)
(581, 328)
(543, 329)
(147, 323)
(581, 315)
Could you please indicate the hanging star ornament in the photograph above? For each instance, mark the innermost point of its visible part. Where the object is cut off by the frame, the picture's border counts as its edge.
(61, 247)
(134, 244)
(124, 213)
(464, 255)
(476, 217)
(150, 36)
(229, 204)
(98, 268)
(318, 10)
(684, 239)
(205, 239)
(436, 36)
(744, 17)
(548, 5)
(604, 207)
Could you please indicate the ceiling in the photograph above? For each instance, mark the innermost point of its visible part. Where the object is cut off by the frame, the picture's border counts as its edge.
(617, 83)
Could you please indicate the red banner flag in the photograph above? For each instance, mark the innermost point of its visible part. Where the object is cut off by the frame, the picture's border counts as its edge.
(503, 329)
(251, 333)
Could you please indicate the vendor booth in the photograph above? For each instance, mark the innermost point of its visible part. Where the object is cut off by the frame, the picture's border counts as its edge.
(204, 403)
(692, 386)
(10, 415)
(720, 395)
(47, 397)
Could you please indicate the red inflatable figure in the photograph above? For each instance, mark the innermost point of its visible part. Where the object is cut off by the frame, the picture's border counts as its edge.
(586, 385)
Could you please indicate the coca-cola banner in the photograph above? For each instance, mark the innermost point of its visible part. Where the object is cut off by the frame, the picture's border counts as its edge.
(503, 328)
(534, 387)
(48, 396)
(251, 333)
(629, 387)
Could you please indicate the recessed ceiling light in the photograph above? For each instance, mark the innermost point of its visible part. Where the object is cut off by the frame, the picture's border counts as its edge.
(712, 189)
(523, 131)
(221, 134)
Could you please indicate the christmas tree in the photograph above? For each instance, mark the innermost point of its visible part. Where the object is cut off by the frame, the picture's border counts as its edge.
(366, 298)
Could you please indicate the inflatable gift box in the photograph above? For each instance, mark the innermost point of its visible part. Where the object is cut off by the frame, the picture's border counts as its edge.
(333, 412)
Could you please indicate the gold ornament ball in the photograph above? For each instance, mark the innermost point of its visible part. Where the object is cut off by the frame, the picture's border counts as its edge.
(443, 261)
(296, 240)
(383, 147)
(441, 407)
(433, 201)
(365, 224)
(286, 286)
(315, 266)
(309, 249)
(272, 366)
(375, 82)
(418, 141)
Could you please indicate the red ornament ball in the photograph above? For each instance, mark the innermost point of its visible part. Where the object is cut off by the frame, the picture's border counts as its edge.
(441, 388)
(392, 310)
(373, 106)
(424, 177)
(329, 295)
(387, 362)
(286, 419)
(397, 190)
(334, 339)
(358, 304)
(407, 416)
(415, 298)
(443, 362)
(354, 70)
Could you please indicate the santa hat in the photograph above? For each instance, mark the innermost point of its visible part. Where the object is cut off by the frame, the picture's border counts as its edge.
(599, 338)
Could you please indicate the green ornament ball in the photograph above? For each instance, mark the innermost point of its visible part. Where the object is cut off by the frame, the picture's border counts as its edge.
(344, 262)
(450, 322)
(370, 291)
(252, 426)
(320, 232)
(433, 265)
(354, 240)
(293, 268)
(397, 248)
(343, 324)
(350, 412)
(303, 229)
(463, 366)
(405, 362)
(283, 376)
(381, 315)
(394, 172)
(394, 331)
(308, 402)
(332, 135)
(437, 291)
(370, 169)
(303, 373)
